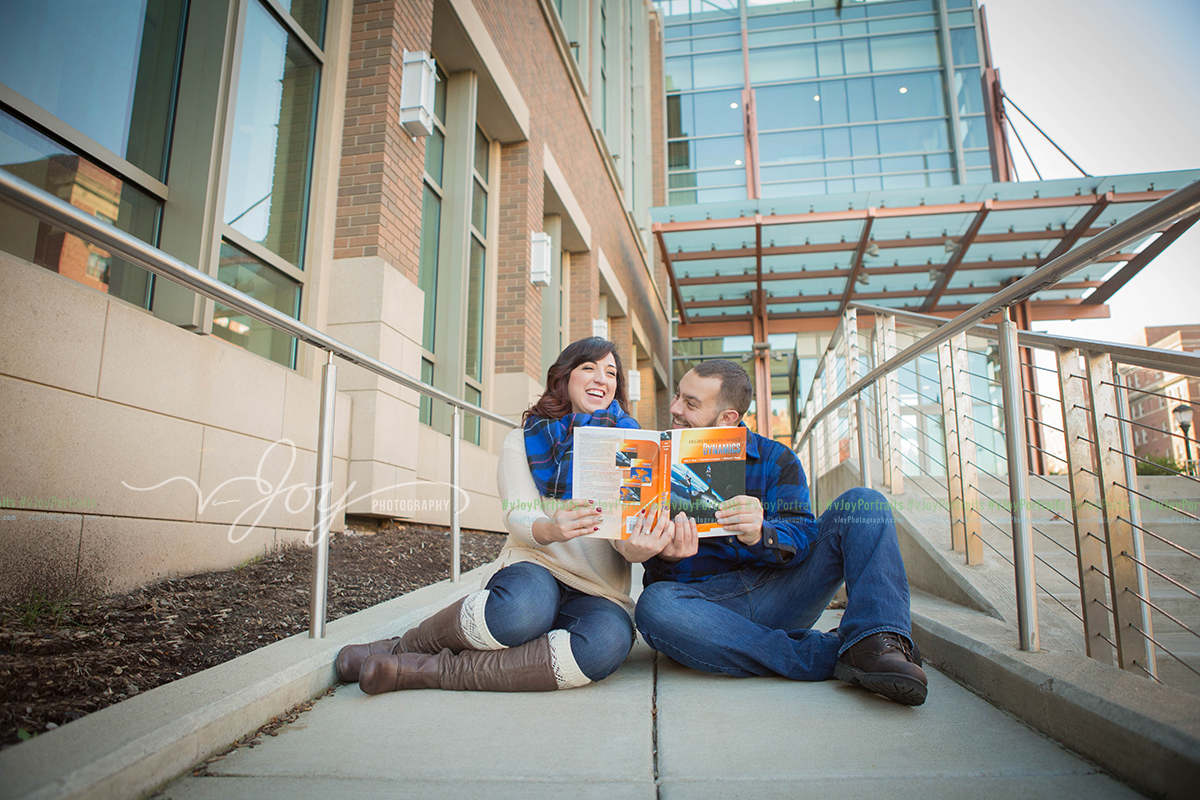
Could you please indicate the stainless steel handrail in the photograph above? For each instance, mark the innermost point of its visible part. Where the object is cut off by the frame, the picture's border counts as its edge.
(1181, 203)
(45, 206)
(1177, 361)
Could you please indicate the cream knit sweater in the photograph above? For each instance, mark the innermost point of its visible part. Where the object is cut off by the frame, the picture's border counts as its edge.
(586, 564)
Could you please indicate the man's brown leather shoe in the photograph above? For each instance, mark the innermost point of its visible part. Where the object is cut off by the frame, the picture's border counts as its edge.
(886, 664)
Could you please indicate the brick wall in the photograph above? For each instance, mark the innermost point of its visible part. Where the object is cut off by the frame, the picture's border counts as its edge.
(379, 191)
(519, 302)
(525, 40)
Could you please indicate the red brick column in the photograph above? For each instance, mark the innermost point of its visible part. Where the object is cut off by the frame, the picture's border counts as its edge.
(379, 191)
(518, 302)
(585, 294)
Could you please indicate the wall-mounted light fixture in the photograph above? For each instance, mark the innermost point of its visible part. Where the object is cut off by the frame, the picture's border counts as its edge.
(633, 387)
(600, 328)
(539, 259)
(417, 84)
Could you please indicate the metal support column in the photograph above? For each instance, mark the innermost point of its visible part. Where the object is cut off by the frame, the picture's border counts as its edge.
(320, 570)
(966, 450)
(455, 494)
(950, 436)
(1085, 505)
(1122, 569)
(1135, 517)
(1018, 486)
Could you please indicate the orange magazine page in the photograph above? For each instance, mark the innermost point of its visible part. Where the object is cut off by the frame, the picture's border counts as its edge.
(707, 467)
(621, 469)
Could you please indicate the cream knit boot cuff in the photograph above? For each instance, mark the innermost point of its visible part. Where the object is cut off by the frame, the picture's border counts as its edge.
(474, 627)
(566, 670)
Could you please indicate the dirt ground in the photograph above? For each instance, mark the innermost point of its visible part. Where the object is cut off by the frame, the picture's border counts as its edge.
(63, 658)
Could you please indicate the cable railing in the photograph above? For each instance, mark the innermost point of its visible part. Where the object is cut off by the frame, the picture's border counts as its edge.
(1072, 527)
(51, 209)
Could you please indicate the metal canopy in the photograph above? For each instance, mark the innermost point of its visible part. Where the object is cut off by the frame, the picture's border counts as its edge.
(934, 250)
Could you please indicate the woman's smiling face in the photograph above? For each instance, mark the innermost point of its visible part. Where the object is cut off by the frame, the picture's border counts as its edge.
(593, 385)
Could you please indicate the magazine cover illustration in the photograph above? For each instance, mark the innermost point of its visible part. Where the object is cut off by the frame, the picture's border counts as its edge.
(692, 470)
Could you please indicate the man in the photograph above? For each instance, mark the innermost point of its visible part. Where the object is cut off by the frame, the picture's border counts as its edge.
(744, 604)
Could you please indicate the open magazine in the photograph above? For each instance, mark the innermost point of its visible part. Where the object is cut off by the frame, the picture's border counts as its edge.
(689, 469)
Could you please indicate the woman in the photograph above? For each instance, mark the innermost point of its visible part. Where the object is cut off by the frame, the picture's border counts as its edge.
(557, 613)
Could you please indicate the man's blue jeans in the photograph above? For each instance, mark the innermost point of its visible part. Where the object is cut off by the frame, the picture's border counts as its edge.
(526, 602)
(757, 621)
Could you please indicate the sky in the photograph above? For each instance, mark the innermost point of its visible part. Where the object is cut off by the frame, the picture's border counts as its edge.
(1113, 82)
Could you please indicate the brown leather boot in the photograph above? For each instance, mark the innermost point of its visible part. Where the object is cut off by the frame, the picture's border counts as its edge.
(885, 664)
(441, 631)
(388, 673)
(527, 668)
(350, 658)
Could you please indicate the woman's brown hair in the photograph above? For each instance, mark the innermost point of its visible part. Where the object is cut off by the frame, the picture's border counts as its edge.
(555, 403)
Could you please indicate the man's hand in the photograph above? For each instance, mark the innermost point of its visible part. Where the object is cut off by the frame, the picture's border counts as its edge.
(652, 531)
(686, 541)
(742, 515)
(573, 518)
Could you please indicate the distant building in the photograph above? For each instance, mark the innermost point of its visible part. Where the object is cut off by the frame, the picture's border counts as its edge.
(1154, 395)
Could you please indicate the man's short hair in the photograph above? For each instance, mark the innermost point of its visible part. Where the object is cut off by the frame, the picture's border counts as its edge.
(736, 390)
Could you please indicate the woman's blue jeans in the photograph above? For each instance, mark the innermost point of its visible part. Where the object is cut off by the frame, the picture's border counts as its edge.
(526, 602)
(757, 621)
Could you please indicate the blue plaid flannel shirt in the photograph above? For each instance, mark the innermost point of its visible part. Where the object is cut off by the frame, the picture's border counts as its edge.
(775, 477)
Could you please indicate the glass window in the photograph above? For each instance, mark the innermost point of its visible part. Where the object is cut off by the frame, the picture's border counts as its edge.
(724, 151)
(108, 69)
(783, 63)
(969, 89)
(475, 279)
(479, 207)
(774, 148)
(426, 411)
(897, 25)
(703, 45)
(691, 197)
(715, 177)
(793, 172)
(789, 106)
(864, 140)
(977, 158)
(704, 114)
(909, 96)
(961, 18)
(250, 276)
(860, 97)
(785, 36)
(913, 137)
(905, 52)
(833, 103)
(310, 15)
(435, 150)
(973, 131)
(703, 72)
(867, 166)
(470, 429)
(878, 9)
(868, 184)
(857, 53)
(758, 19)
(431, 226)
(837, 142)
(270, 158)
(829, 59)
(963, 45)
(48, 165)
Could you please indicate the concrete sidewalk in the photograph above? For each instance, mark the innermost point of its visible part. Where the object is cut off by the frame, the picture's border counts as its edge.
(653, 729)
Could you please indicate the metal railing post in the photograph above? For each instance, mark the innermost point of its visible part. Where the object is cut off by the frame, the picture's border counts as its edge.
(832, 451)
(950, 436)
(455, 469)
(892, 410)
(1135, 516)
(1085, 505)
(812, 478)
(321, 520)
(1122, 569)
(863, 451)
(850, 349)
(966, 450)
(1018, 487)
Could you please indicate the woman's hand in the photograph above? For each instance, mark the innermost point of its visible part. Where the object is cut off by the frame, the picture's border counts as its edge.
(573, 518)
(648, 537)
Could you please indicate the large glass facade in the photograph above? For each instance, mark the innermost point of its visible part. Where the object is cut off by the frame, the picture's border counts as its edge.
(850, 100)
(93, 131)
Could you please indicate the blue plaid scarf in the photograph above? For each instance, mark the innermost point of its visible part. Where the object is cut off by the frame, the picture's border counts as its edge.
(549, 444)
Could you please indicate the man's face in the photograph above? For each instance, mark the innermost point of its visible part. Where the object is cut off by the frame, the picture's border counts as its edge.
(695, 403)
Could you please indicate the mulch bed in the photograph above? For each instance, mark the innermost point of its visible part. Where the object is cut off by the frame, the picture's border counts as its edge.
(63, 658)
